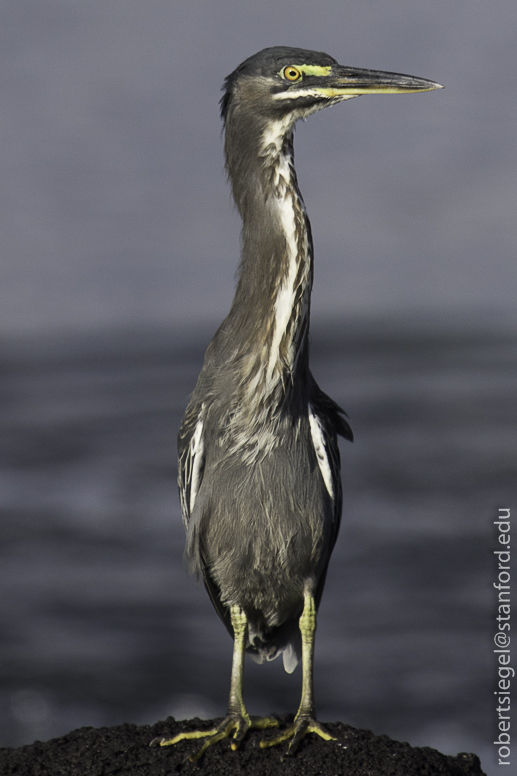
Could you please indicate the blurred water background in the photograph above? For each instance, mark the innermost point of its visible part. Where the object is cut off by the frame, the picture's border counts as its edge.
(118, 246)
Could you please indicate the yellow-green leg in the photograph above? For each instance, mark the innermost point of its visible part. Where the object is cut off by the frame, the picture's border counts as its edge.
(305, 720)
(237, 720)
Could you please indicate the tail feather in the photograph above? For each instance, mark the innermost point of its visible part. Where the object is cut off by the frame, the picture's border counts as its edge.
(290, 658)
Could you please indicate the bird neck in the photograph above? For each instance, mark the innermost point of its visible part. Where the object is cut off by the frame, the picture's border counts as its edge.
(269, 318)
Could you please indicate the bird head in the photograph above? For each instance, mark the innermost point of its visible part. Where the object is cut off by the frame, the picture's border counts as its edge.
(286, 84)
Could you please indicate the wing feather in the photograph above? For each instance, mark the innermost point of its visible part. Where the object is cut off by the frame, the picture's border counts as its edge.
(327, 420)
(191, 458)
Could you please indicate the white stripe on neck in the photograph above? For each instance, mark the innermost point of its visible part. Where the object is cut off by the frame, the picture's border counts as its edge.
(286, 200)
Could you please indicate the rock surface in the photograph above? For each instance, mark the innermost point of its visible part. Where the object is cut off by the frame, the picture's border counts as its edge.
(125, 750)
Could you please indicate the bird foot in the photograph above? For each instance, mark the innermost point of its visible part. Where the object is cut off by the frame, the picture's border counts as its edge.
(299, 729)
(236, 724)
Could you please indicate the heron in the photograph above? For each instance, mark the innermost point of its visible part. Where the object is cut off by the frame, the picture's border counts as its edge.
(259, 463)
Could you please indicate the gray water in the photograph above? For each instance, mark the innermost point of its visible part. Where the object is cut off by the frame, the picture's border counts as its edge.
(100, 623)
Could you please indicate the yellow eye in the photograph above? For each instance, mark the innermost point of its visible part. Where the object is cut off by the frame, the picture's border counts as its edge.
(292, 73)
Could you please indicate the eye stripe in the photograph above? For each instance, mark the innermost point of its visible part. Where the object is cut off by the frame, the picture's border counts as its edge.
(314, 92)
(295, 94)
(317, 70)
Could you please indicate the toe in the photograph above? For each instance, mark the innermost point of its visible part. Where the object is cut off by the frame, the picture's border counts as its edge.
(299, 732)
(240, 732)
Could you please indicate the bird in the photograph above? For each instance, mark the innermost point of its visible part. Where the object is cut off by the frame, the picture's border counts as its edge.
(259, 463)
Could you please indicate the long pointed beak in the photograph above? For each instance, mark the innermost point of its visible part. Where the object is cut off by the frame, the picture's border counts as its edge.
(351, 81)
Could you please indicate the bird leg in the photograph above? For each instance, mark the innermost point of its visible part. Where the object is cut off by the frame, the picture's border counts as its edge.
(237, 720)
(305, 720)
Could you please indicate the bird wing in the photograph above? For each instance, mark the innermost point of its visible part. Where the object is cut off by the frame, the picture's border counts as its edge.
(191, 466)
(327, 421)
(326, 406)
(191, 457)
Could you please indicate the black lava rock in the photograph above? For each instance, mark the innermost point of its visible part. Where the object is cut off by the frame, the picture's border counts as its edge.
(125, 751)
